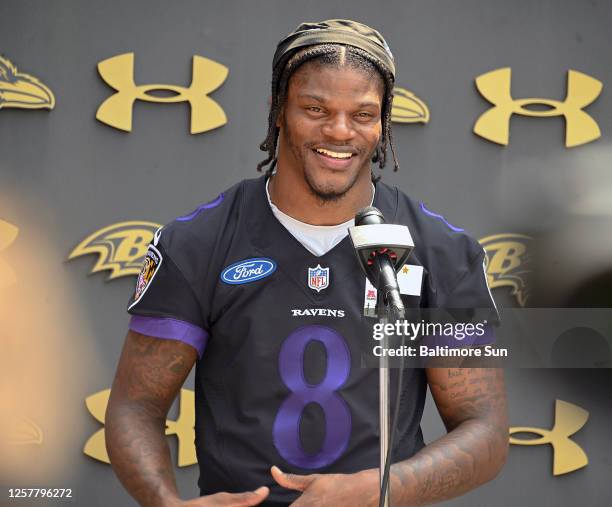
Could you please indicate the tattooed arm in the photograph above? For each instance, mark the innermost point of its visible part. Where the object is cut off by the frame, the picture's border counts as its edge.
(472, 404)
(151, 371)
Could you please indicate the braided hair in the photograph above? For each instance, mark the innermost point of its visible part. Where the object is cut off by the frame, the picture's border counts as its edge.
(328, 54)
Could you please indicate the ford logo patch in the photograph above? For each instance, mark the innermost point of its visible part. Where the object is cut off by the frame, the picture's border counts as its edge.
(248, 271)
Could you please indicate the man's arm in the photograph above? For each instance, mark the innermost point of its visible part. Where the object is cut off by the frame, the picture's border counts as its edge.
(150, 373)
(472, 404)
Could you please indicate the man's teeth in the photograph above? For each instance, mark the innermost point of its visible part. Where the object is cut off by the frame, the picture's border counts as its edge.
(334, 154)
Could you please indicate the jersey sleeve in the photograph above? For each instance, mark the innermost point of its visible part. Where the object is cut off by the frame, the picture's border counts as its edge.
(472, 298)
(472, 289)
(164, 304)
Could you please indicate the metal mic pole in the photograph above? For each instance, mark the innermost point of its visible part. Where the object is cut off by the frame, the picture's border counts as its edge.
(381, 249)
(383, 408)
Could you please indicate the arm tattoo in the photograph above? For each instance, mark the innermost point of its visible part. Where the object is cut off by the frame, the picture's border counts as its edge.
(472, 403)
(150, 373)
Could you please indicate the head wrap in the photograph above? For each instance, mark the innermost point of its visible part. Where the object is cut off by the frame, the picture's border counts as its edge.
(336, 31)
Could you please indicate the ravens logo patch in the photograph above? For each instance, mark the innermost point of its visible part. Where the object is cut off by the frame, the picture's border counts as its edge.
(150, 265)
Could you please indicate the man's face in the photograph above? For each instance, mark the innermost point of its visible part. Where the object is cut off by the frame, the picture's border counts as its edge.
(330, 126)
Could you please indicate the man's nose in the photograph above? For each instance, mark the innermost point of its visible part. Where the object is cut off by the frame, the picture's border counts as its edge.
(339, 128)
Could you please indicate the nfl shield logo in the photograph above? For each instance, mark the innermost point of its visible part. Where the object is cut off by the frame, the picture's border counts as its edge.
(318, 278)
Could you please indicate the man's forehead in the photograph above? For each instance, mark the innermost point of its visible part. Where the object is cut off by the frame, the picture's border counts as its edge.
(326, 81)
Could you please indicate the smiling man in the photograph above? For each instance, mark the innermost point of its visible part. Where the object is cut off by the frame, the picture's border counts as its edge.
(260, 289)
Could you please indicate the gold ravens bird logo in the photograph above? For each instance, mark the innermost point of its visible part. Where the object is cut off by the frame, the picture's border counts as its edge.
(507, 263)
(24, 431)
(121, 247)
(21, 90)
(8, 234)
(182, 427)
(408, 108)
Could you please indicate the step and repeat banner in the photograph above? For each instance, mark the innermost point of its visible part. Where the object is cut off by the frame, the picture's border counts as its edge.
(117, 117)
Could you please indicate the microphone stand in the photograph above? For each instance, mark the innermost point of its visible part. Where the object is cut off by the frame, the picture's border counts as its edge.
(380, 247)
(383, 403)
(390, 309)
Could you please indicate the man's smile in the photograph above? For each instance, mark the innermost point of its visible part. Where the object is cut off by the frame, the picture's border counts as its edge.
(335, 159)
(334, 154)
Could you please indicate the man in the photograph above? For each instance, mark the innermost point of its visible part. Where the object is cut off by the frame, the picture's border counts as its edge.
(261, 290)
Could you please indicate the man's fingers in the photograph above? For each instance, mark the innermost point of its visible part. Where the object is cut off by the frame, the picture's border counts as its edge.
(292, 481)
(245, 499)
(250, 497)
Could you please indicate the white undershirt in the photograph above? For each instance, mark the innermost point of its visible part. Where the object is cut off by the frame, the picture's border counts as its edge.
(317, 239)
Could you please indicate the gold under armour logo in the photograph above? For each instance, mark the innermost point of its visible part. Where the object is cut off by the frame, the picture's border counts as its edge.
(95, 447)
(568, 456)
(494, 124)
(8, 234)
(118, 73)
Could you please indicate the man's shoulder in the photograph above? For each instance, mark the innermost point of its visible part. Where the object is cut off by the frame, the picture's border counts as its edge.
(428, 227)
(202, 226)
(444, 247)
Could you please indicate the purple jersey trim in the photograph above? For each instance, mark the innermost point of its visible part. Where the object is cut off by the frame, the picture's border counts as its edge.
(487, 338)
(171, 329)
(208, 205)
(440, 217)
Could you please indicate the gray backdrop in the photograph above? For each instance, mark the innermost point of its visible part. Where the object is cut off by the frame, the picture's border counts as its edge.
(72, 175)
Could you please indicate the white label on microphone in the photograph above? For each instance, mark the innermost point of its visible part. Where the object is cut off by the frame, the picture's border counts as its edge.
(410, 279)
(369, 299)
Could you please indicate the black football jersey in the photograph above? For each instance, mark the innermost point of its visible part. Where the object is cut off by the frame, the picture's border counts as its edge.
(279, 379)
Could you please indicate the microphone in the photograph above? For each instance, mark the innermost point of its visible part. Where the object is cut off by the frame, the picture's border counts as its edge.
(382, 249)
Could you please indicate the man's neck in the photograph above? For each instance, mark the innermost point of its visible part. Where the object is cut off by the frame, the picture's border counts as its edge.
(294, 197)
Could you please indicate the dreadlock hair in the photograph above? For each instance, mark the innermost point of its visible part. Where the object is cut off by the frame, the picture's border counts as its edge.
(328, 54)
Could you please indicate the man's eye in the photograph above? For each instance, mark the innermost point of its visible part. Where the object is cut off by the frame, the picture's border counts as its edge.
(315, 109)
(363, 114)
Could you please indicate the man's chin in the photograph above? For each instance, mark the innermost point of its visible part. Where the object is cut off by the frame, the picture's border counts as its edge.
(330, 190)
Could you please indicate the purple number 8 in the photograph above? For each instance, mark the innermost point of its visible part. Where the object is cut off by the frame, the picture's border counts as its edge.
(286, 430)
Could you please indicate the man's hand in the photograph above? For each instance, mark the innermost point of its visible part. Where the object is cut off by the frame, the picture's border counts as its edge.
(334, 490)
(245, 499)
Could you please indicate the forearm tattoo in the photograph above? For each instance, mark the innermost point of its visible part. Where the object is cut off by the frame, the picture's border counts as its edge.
(472, 403)
(149, 375)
